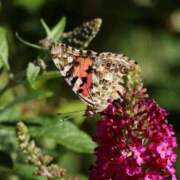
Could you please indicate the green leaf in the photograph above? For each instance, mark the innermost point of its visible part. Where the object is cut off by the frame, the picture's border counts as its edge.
(3, 48)
(65, 133)
(32, 73)
(46, 28)
(57, 30)
(26, 171)
(10, 114)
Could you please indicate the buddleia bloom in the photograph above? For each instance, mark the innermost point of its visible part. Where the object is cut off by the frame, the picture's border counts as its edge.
(135, 141)
(137, 146)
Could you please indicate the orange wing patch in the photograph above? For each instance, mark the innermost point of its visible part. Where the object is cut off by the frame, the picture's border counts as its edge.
(81, 68)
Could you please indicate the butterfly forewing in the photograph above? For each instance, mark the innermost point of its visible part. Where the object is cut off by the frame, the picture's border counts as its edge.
(75, 67)
(80, 37)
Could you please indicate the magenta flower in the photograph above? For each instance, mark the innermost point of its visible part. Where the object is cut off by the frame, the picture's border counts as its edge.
(135, 142)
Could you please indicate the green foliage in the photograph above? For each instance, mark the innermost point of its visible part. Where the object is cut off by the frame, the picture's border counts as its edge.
(46, 28)
(27, 95)
(32, 73)
(57, 30)
(25, 171)
(65, 133)
(3, 49)
(54, 34)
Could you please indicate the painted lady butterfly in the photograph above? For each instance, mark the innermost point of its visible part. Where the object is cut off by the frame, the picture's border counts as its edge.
(94, 77)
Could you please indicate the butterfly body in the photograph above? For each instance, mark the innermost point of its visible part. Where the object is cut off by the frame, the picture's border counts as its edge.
(95, 77)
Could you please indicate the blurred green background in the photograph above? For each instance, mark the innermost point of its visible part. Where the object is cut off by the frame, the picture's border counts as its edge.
(145, 30)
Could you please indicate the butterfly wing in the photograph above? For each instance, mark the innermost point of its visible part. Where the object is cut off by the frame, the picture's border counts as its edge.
(76, 67)
(94, 77)
(109, 77)
(80, 37)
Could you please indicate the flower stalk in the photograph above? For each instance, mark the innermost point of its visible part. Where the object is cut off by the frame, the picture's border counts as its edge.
(34, 155)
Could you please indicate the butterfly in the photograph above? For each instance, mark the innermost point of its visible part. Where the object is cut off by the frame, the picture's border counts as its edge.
(94, 77)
